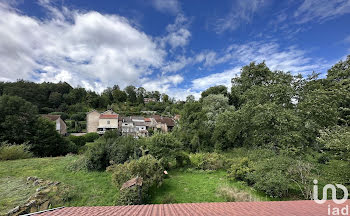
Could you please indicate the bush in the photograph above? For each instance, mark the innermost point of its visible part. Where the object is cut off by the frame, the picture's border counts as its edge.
(96, 156)
(147, 167)
(207, 161)
(82, 140)
(14, 152)
(240, 169)
(165, 147)
(91, 137)
(122, 149)
(271, 176)
(105, 152)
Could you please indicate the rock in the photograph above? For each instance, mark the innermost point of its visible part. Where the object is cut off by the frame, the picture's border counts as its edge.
(37, 182)
(40, 188)
(30, 203)
(56, 183)
(13, 211)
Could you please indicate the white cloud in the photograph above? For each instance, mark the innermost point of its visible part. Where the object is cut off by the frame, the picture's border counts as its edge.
(165, 6)
(223, 78)
(242, 13)
(178, 34)
(289, 59)
(162, 83)
(86, 48)
(321, 10)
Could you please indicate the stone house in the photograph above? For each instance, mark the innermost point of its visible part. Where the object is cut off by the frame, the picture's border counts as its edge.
(164, 124)
(61, 126)
(101, 122)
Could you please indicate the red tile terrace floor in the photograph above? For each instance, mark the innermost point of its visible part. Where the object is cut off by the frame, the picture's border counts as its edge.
(302, 208)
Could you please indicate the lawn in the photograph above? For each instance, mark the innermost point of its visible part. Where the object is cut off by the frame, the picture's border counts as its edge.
(89, 188)
(96, 188)
(198, 186)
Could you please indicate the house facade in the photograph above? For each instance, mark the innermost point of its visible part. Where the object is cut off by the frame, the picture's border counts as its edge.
(61, 126)
(101, 122)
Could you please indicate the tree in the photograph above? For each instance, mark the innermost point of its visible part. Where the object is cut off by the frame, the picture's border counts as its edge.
(17, 119)
(47, 142)
(141, 92)
(119, 96)
(55, 99)
(131, 92)
(220, 89)
(213, 105)
(165, 98)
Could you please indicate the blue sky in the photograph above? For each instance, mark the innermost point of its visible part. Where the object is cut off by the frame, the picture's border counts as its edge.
(176, 47)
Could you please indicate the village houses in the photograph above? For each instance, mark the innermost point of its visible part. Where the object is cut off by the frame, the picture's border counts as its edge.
(136, 126)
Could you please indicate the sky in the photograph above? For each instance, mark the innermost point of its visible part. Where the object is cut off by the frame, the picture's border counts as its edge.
(176, 47)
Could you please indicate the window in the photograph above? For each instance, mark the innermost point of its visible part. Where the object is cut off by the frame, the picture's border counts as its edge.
(108, 122)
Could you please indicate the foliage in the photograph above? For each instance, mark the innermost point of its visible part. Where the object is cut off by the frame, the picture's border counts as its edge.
(271, 176)
(164, 146)
(215, 90)
(207, 161)
(80, 141)
(147, 167)
(336, 139)
(47, 142)
(240, 169)
(110, 150)
(17, 119)
(14, 152)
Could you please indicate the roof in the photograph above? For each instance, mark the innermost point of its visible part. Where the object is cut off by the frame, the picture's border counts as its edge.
(139, 118)
(271, 208)
(139, 123)
(51, 117)
(147, 119)
(126, 119)
(164, 120)
(168, 121)
(108, 116)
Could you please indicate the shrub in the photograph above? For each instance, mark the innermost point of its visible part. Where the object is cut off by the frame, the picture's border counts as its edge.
(122, 149)
(77, 140)
(164, 146)
(105, 152)
(82, 140)
(147, 167)
(207, 161)
(129, 196)
(14, 152)
(240, 169)
(271, 177)
(96, 156)
(91, 137)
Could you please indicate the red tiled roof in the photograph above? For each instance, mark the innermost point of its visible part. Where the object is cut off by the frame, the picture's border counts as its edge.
(108, 116)
(276, 208)
(147, 119)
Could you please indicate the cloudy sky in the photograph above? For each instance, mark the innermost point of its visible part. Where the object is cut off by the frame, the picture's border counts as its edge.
(176, 47)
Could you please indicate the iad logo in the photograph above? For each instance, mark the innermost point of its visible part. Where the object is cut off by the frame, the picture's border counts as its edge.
(332, 210)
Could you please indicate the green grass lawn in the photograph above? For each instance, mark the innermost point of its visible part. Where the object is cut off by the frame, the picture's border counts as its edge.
(197, 186)
(96, 188)
(88, 188)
